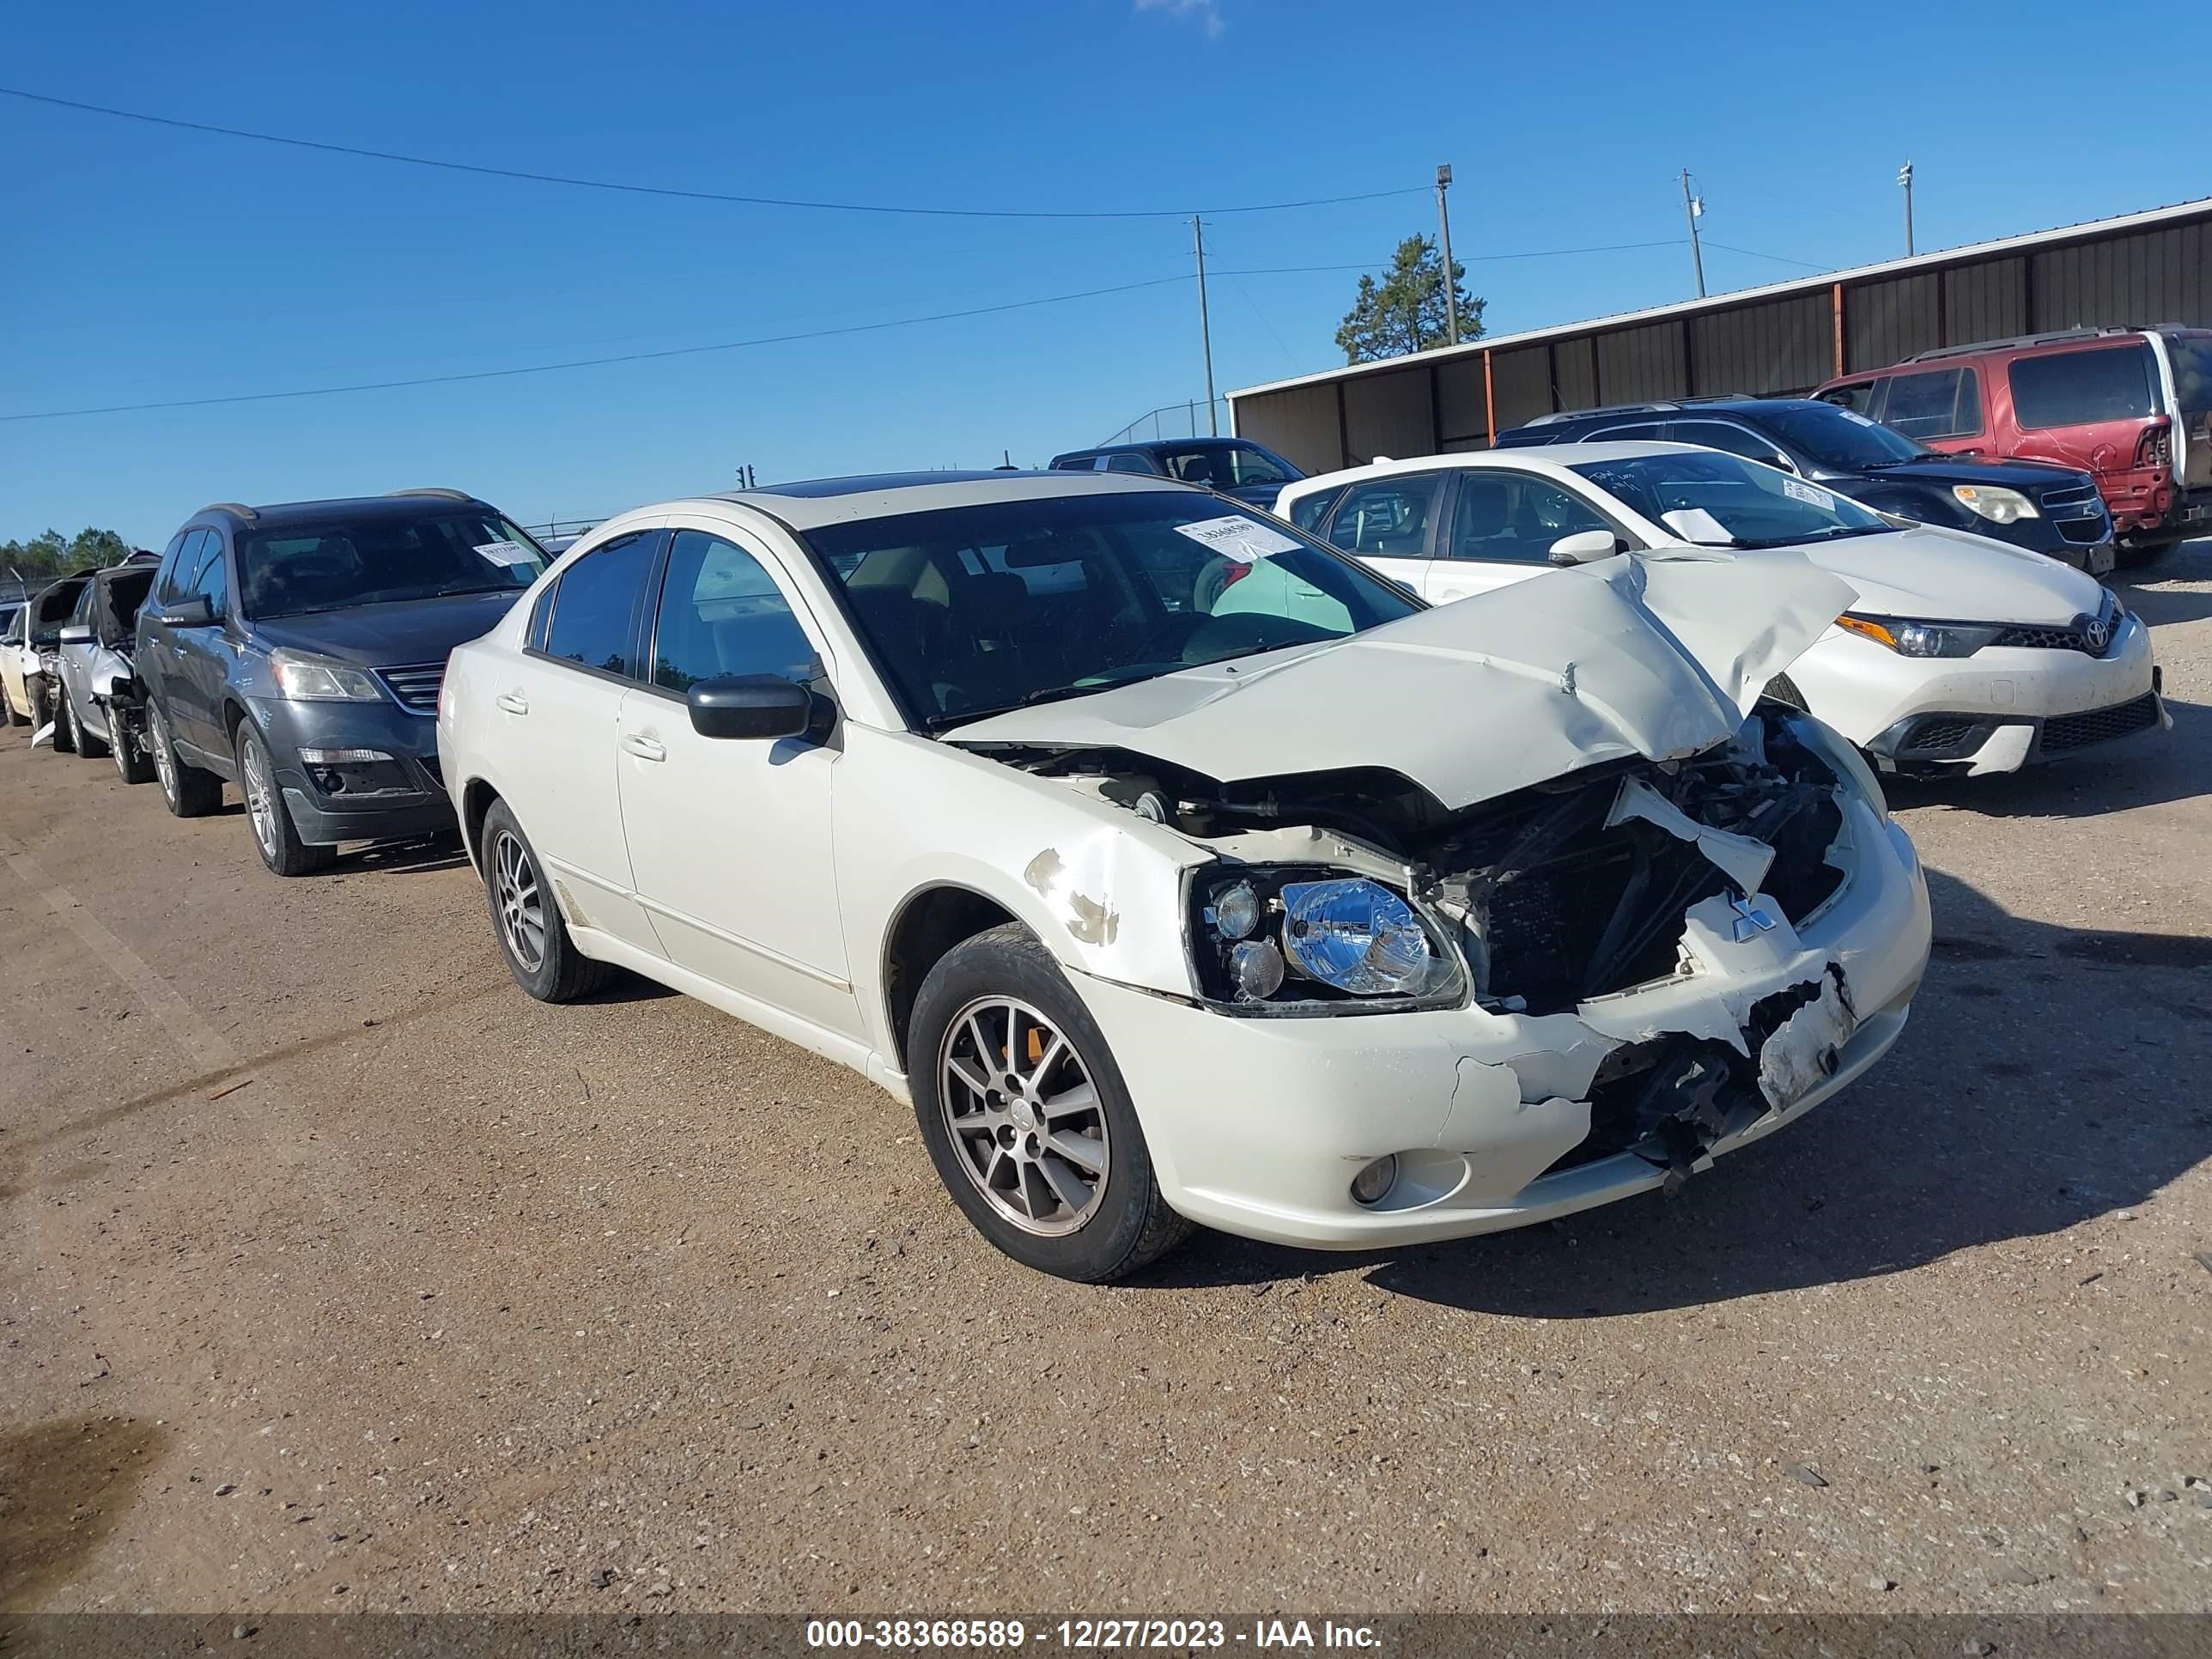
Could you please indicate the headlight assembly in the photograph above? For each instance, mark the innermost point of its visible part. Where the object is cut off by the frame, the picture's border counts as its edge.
(1998, 506)
(1311, 940)
(1922, 639)
(303, 678)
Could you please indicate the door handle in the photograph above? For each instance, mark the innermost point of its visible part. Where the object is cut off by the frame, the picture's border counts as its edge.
(513, 702)
(644, 748)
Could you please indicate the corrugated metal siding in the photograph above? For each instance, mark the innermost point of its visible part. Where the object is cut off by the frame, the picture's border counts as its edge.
(2152, 277)
(1298, 423)
(1985, 300)
(1636, 363)
(1574, 377)
(1459, 395)
(1523, 380)
(1784, 345)
(1884, 322)
(1389, 414)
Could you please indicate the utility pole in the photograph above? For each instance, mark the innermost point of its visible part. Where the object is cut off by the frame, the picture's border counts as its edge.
(1693, 208)
(1443, 227)
(1205, 326)
(1904, 179)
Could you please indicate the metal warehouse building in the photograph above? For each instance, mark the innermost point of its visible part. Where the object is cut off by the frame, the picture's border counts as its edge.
(2153, 267)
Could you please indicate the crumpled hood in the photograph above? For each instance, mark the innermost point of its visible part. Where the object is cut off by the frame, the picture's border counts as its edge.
(1659, 655)
(386, 635)
(1952, 575)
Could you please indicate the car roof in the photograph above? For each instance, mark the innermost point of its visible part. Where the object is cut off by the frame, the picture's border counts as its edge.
(1565, 454)
(815, 502)
(399, 504)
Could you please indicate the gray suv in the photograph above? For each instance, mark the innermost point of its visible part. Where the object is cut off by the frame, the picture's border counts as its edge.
(297, 650)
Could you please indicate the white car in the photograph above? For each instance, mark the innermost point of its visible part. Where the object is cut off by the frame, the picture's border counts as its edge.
(1958, 653)
(1177, 869)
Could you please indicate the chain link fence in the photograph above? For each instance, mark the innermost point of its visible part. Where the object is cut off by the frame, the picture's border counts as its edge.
(1183, 420)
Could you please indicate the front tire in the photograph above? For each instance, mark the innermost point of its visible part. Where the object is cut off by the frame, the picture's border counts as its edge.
(188, 792)
(1027, 1118)
(65, 733)
(532, 936)
(276, 837)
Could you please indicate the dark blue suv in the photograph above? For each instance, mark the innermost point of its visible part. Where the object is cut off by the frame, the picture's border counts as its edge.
(297, 650)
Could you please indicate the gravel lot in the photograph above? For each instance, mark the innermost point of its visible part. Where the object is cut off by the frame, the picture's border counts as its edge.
(339, 1274)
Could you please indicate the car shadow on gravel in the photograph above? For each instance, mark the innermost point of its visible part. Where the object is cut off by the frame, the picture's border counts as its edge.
(2146, 591)
(2049, 1075)
(2139, 771)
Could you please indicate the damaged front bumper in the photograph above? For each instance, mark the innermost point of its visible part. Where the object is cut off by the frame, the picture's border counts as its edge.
(1498, 1119)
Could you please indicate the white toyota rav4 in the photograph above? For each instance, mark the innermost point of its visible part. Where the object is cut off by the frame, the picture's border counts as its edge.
(1177, 868)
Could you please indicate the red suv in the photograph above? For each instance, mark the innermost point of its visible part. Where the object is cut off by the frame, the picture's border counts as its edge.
(2132, 406)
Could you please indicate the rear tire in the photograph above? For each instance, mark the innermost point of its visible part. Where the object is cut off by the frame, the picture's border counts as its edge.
(128, 744)
(189, 792)
(1092, 1214)
(276, 837)
(527, 920)
(15, 719)
(64, 734)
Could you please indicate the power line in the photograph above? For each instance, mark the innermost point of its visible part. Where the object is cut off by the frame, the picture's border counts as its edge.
(683, 194)
(1779, 258)
(595, 362)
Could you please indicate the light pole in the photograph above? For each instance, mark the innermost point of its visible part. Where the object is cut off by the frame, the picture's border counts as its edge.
(1905, 179)
(1693, 208)
(1205, 329)
(1444, 228)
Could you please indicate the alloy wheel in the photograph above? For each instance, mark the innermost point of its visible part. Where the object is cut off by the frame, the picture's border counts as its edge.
(1026, 1122)
(165, 763)
(521, 904)
(260, 796)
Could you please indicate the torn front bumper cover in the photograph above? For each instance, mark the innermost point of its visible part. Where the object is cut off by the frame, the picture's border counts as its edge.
(1499, 1119)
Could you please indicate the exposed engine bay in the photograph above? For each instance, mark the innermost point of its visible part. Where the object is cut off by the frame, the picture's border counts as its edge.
(1534, 903)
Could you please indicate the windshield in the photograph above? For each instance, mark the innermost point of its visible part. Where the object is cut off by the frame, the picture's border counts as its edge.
(971, 611)
(1838, 439)
(1718, 501)
(1227, 466)
(379, 560)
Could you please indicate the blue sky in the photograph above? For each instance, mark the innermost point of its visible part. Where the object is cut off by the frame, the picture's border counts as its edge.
(147, 263)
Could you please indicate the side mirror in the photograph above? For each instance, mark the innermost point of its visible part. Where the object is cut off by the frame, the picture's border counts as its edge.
(194, 612)
(1585, 546)
(76, 634)
(1781, 461)
(758, 707)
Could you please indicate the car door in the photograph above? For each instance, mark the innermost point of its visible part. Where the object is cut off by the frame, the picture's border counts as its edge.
(157, 641)
(730, 840)
(1504, 523)
(555, 710)
(209, 654)
(1390, 522)
(76, 652)
(11, 662)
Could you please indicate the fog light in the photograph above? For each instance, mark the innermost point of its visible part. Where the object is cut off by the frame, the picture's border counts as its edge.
(1236, 912)
(1373, 1184)
(343, 757)
(1257, 968)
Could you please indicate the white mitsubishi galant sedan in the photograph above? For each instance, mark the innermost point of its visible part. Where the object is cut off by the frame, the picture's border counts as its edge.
(1959, 655)
(1179, 869)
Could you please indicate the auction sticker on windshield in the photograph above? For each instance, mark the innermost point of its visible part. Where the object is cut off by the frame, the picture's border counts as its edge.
(1810, 493)
(507, 553)
(1235, 537)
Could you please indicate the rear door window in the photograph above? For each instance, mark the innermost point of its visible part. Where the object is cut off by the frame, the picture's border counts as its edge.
(2082, 388)
(594, 622)
(1387, 518)
(1127, 463)
(1638, 431)
(1725, 435)
(1858, 397)
(1940, 403)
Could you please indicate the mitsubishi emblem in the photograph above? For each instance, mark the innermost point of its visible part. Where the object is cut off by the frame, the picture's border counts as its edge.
(1752, 918)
